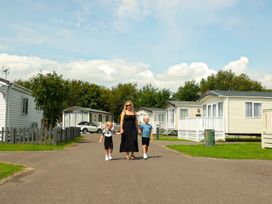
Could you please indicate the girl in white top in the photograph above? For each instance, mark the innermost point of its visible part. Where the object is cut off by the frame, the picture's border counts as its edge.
(107, 137)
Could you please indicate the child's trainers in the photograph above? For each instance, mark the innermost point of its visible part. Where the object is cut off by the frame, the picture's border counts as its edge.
(106, 158)
(110, 157)
(145, 156)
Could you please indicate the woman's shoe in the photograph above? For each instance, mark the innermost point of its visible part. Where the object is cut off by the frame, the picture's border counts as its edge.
(127, 157)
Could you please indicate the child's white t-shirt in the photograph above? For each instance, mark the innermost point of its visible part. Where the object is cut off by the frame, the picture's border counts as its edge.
(107, 133)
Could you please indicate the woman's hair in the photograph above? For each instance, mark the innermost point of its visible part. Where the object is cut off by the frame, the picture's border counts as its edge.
(128, 102)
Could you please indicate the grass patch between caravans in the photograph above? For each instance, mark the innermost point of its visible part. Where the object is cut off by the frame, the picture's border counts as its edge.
(38, 147)
(246, 150)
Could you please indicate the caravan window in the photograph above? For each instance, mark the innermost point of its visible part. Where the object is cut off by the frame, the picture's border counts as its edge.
(209, 111)
(99, 118)
(160, 117)
(24, 105)
(253, 110)
(220, 109)
(214, 110)
(205, 110)
(183, 113)
(257, 109)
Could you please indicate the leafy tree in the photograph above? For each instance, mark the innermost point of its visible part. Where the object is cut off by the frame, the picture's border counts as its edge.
(49, 92)
(73, 88)
(227, 80)
(118, 97)
(24, 83)
(162, 96)
(244, 83)
(146, 96)
(149, 96)
(188, 92)
(90, 96)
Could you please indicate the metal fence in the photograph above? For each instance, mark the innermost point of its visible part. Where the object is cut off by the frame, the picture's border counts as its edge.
(15, 135)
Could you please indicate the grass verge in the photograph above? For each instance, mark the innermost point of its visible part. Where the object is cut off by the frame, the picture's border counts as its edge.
(241, 139)
(170, 138)
(247, 150)
(37, 147)
(9, 169)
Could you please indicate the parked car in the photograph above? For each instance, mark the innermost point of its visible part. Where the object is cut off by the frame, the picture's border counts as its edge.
(89, 127)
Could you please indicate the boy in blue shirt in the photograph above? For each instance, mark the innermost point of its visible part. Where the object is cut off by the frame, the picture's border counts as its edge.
(146, 130)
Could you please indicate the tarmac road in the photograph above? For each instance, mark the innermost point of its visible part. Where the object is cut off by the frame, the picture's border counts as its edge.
(79, 175)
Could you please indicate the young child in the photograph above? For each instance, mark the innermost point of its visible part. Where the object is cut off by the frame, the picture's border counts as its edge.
(108, 144)
(146, 130)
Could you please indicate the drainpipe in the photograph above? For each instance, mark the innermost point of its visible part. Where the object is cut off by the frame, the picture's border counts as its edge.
(7, 106)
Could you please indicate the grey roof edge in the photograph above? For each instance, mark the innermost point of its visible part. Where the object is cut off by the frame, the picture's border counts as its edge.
(236, 94)
(150, 109)
(189, 103)
(16, 86)
(4, 81)
(86, 109)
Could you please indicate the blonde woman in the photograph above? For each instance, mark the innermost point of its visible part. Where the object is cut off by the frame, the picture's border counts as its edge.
(129, 131)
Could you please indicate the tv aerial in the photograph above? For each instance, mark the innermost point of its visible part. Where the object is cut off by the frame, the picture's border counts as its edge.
(5, 71)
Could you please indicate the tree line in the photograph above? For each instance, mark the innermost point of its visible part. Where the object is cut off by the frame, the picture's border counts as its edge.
(53, 93)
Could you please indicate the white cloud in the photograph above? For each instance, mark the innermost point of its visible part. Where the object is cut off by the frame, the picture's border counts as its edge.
(112, 72)
(139, 8)
(239, 66)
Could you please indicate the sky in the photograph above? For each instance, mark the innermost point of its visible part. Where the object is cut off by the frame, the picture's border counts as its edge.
(162, 42)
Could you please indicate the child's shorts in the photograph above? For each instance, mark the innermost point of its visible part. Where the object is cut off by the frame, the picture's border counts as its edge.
(145, 141)
(108, 143)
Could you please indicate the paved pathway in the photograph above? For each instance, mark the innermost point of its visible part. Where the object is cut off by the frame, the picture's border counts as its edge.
(80, 175)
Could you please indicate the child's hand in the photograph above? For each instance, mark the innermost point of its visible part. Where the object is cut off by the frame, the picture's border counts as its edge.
(118, 133)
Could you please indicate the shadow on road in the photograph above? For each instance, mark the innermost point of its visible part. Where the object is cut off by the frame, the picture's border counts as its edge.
(137, 158)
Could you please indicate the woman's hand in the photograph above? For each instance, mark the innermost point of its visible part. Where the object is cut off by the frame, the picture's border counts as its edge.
(121, 131)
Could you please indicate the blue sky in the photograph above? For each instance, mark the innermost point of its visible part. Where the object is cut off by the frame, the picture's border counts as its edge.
(155, 37)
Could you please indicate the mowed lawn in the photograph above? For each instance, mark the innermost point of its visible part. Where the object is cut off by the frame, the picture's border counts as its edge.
(9, 169)
(170, 138)
(37, 147)
(247, 150)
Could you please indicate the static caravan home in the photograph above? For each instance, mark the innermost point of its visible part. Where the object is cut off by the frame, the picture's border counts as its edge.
(74, 115)
(17, 107)
(177, 110)
(229, 113)
(156, 116)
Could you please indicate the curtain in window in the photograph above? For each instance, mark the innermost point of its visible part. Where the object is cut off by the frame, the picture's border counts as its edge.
(183, 113)
(257, 109)
(205, 111)
(214, 110)
(248, 109)
(172, 112)
(209, 111)
(160, 117)
(220, 109)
